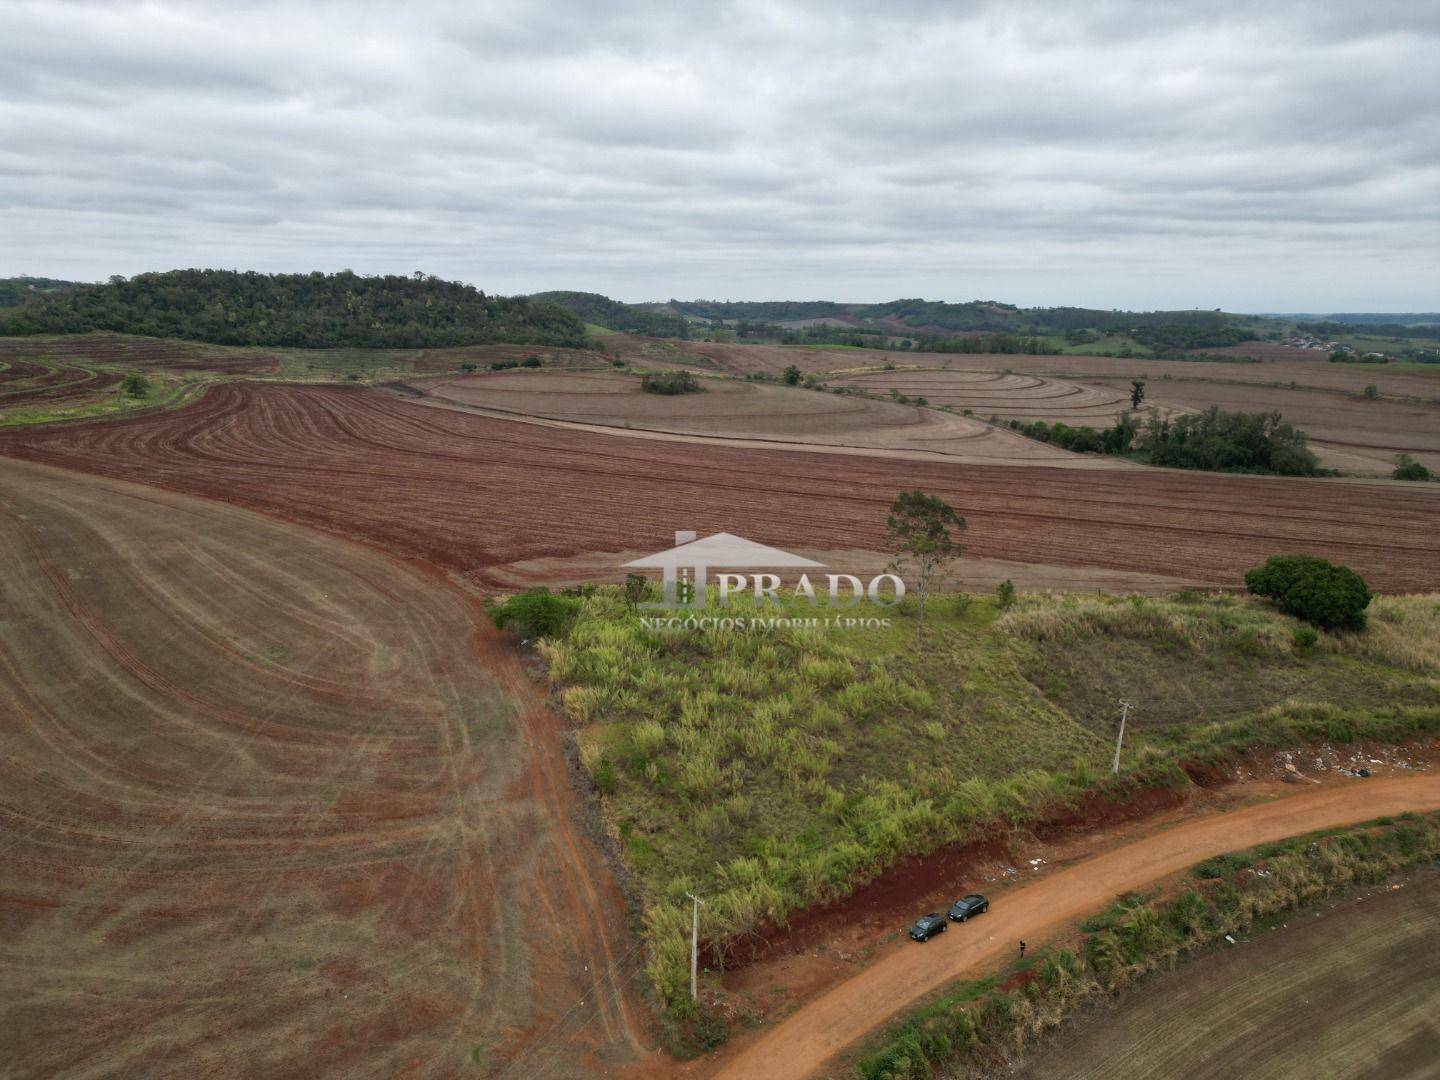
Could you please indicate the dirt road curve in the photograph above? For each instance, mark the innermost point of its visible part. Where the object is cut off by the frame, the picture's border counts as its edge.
(803, 1043)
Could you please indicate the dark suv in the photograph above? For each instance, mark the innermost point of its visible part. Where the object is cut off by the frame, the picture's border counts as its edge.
(974, 904)
(927, 926)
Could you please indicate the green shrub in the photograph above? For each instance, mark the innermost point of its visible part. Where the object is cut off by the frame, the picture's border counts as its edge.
(1304, 638)
(1005, 593)
(537, 614)
(1223, 865)
(135, 385)
(606, 779)
(530, 362)
(1329, 596)
(1407, 468)
(469, 367)
(670, 383)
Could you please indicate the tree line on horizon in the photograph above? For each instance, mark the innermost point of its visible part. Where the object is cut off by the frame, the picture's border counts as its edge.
(315, 310)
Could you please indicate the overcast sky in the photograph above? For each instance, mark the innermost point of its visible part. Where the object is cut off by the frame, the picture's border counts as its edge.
(1256, 156)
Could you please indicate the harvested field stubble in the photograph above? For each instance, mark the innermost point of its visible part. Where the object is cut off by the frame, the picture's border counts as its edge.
(471, 493)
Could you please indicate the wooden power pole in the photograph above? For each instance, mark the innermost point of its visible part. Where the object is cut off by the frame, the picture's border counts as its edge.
(695, 947)
(1124, 712)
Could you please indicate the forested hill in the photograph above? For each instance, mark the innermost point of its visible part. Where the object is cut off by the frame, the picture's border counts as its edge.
(303, 310)
(936, 316)
(16, 290)
(614, 315)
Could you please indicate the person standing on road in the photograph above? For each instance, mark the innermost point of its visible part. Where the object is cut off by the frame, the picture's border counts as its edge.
(1022, 948)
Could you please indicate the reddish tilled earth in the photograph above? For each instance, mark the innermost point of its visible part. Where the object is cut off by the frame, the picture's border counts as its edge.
(265, 812)
(474, 494)
(138, 352)
(26, 382)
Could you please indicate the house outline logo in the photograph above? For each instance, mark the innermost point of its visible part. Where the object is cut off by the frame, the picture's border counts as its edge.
(686, 566)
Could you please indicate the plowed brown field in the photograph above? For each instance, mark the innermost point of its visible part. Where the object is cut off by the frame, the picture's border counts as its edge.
(1003, 394)
(472, 493)
(138, 352)
(28, 382)
(732, 408)
(265, 812)
(1267, 350)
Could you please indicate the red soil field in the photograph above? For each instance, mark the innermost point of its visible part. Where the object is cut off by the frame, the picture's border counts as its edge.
(138, 352)
(471, 493)
(1022, 397)
(1280, 365)
(1391, 379)
(1267, 350)
(427, 360)
(27, 383)
(735, 408)
(272, 804)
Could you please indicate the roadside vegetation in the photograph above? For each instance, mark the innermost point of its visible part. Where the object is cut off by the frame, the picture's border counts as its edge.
(985, 1025)
(771, 771)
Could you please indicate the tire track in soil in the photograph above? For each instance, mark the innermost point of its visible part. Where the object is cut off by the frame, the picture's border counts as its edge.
(594, 907)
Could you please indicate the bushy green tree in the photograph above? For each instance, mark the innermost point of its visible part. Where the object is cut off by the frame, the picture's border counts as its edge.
(537, 614)
(792, 375)
(1407, 468)
(134, 385)
(1228, 442)
(670, 383)
(1320, 592)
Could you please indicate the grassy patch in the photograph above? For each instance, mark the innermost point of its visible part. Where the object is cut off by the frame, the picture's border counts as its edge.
(770, 771)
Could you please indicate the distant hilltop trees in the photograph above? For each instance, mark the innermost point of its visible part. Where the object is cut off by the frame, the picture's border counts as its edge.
(614, 315)
(17, 290)
(313, 310)
(929, 325)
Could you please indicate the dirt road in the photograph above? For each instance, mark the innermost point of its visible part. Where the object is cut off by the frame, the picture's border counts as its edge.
(804, 1042)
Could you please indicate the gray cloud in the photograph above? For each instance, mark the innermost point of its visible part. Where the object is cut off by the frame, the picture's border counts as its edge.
(1259, 157)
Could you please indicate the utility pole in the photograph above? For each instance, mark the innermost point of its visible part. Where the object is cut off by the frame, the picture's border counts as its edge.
(1124, 712)
(695, 947)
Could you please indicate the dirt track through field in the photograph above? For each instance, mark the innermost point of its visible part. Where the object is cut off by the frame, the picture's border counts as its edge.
(276, 804)
(469, 493)
(804, 1042)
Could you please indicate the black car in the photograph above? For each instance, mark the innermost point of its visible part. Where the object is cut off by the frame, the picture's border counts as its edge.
(927, 926)
(974, 904)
